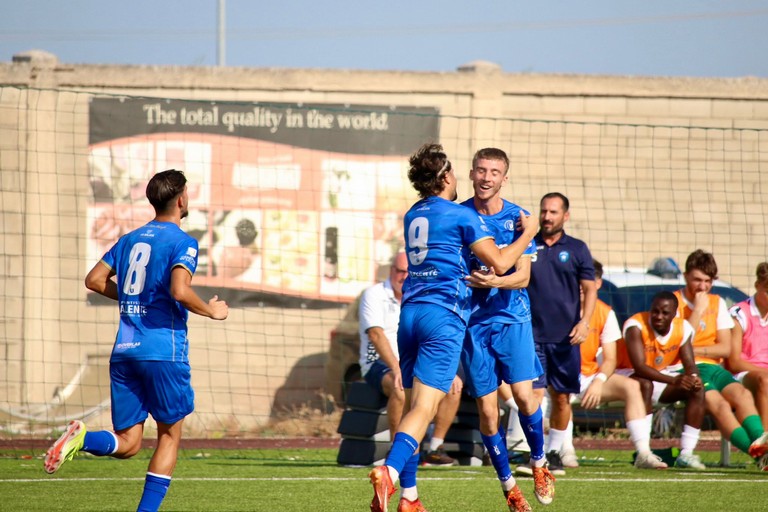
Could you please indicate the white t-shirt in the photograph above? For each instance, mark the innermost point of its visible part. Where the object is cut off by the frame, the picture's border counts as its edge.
(611, 333)
(378, 308)
(742, 316)
(611, 330)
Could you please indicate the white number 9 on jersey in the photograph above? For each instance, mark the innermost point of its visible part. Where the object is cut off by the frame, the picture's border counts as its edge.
(418, 235)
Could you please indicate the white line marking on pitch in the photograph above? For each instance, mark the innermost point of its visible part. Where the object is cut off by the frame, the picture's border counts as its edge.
(350, 479)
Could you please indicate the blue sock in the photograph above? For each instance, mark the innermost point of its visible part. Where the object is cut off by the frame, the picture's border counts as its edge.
(402, 449)
(497, 449)
(408, 474)
(533, 428)
(155, 487)
(100, 443)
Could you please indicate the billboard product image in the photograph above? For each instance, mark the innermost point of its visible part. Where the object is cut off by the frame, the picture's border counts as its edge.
(298, 201)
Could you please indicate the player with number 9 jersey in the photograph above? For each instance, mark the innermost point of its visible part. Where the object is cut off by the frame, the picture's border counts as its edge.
(153, 326)
(435, 307)
(439, 234)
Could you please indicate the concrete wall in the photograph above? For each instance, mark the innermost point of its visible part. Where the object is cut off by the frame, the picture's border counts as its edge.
(653, 166)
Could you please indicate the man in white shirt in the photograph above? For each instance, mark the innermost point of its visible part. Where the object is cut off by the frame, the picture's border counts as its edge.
(379, 313)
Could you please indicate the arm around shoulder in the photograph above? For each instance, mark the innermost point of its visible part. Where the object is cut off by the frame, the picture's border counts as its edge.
(501, 260)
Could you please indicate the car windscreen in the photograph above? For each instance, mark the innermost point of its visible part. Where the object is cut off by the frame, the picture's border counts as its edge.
(628, 300)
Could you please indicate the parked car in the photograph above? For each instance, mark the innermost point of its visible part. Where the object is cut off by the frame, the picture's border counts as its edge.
(342, 366)
(628, 291)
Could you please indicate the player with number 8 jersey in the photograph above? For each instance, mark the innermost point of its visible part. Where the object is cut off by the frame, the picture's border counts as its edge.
(153, 325)
(439, 235)
(149, 273)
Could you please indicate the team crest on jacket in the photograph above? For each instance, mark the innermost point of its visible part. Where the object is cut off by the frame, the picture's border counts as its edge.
(509, 225)
(658, 360)
(564, 256)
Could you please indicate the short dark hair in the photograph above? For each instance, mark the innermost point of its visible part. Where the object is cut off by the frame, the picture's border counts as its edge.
(165, 187)
(246, 232)
(428, 166)
(761, 272)
(491, 154)
(703, 261)
(598, 269)
(557, 195)
(665, 295)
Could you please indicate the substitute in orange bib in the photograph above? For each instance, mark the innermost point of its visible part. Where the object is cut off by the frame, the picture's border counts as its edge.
(660, 348)
(600, 383)
(728, 401)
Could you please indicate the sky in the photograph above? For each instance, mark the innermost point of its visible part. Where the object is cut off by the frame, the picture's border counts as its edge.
(701, 38)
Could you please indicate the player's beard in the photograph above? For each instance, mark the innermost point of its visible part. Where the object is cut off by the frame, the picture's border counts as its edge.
(184, 206)
(551, 230)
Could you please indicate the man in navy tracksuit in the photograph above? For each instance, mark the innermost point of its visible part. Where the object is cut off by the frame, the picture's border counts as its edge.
(561, 267)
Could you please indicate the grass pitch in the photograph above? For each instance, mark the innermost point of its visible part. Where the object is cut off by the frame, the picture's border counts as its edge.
(302, 480)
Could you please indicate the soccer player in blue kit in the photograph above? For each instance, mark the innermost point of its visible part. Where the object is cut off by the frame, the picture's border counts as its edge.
(499, 343)
(149, 367)
(439, 235)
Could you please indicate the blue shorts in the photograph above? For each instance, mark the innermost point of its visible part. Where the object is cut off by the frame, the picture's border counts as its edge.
(160, 388)
(496, 352)
(375, 375)
(562, 366)
(429, 341)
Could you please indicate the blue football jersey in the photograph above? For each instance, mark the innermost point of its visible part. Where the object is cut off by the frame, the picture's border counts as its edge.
(496, 304)
(153, 326)
(438, 234)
